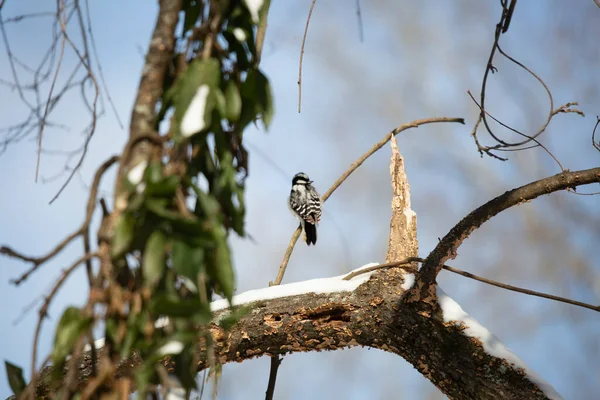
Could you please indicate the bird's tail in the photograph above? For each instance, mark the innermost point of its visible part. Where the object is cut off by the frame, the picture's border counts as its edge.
(311, 233)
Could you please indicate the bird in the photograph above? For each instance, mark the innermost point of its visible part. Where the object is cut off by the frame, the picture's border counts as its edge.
(305, 204)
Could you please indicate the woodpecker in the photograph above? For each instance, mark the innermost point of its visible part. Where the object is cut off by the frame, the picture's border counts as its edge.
(305, 203)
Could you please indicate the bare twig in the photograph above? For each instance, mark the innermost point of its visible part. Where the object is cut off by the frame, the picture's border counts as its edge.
(381, 143)
(99, 65)
(60, 11)
(275, 362)
(405, 264)
(448, 246)
(44, 310)
(312, 6)
(361, 35)
(91, 206)
(596, 145)
(538, 143)
(351, 169)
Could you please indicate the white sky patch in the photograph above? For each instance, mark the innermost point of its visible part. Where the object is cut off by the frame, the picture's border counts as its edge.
(239, 34)
(193, 119)
(136, 173)
(317, 286)
(491, 344)
(254, 6)
(409, 281)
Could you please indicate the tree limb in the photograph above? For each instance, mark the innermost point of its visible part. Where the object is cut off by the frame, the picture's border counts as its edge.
(424, 289)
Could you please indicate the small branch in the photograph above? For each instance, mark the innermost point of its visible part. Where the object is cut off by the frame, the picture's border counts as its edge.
(401, 264)
(361, 35)
(448, 246)
(381, 143)
(405, 264)
(44, 310)
(275, 362)
(91, 206)
(596, 145)
(287, 255)
(521, 290)
(59, 11)
(351, 169)
(149, 92)
(312, 6)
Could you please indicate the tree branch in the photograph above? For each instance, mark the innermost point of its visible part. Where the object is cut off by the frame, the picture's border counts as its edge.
(149, 92)
(424, 289)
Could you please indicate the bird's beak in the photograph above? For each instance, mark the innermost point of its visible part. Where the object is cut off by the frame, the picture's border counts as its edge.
(310, 182)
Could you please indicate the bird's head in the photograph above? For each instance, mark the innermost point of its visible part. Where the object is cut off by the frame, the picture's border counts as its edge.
(301, 179)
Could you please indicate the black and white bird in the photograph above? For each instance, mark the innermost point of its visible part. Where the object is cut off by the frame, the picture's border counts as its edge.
(305, 203)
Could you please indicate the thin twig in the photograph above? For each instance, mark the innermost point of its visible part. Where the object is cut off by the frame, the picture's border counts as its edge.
(43, 120)
(312, 6)
(275, 362)
(91, 206)
(44, 310)
(405, 264)
(360, 23)
(99, 65)
(350, 170)
(521, 290)
(381, 143)
(538, 143)
(596, 145)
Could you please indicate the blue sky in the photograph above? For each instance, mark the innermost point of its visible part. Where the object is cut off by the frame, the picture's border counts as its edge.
(418, 60)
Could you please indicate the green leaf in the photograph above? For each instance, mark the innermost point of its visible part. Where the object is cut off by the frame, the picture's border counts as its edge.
(71, 326)
(233, 101)
(265, 98)
(222, 269)
(189, 226)
(184, 308)
(187, 260)
(257, 99)
(163, 187)
(154, 172)
(199, 82)
(123, 235)
(15, 378)
(192, 12)
(221, 102)
(154, 258)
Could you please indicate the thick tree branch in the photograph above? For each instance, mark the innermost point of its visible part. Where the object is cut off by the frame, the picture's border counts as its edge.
(424, 289)
(149, 92)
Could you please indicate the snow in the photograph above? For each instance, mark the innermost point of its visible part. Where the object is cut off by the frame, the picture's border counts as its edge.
(175, 394)
(409, 281)
(451, 311)
(254, 7)
(172, 347)
(193, 119)
(239, 34)
(136, 173)
(318, 286)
